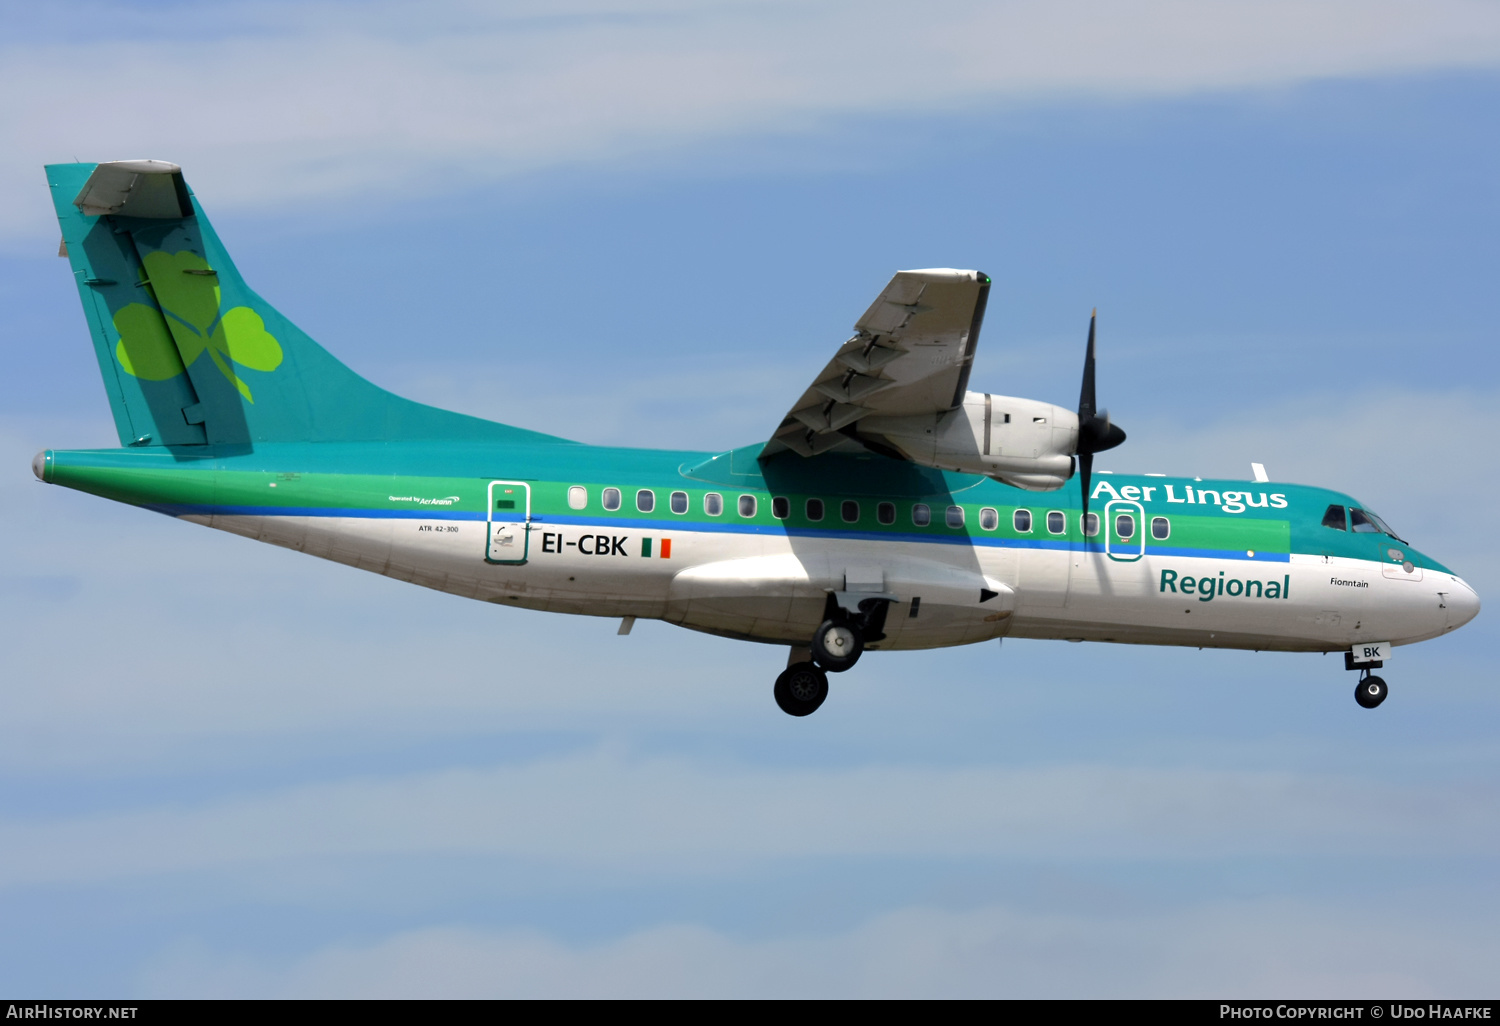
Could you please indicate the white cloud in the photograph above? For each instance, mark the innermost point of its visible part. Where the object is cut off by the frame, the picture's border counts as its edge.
(269, 103)
(1221, 950)
(649, 816)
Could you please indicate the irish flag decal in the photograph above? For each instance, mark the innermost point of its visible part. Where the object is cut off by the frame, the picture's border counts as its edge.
(665, 548)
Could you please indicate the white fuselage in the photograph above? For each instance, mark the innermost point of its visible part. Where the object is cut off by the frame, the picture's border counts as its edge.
(773, 588)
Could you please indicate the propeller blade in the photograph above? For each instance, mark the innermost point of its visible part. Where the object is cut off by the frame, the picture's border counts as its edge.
(1086, 403)
(1095, 432)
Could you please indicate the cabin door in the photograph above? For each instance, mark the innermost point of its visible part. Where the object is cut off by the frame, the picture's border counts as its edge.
(1124, 530)
(508, 523)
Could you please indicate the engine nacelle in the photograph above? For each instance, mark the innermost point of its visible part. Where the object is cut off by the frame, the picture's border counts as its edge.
(1022, 442)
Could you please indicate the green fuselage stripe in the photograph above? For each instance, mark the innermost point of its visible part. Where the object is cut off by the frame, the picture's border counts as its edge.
(1272, 521)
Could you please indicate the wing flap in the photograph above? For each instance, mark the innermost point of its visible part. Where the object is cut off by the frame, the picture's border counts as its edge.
(910, 355)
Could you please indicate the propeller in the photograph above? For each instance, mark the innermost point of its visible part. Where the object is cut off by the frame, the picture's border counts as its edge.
(1095, 432)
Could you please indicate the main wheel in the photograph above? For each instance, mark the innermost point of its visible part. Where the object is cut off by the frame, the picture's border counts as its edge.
(837, 646)
(800, 689)
(1371, 692)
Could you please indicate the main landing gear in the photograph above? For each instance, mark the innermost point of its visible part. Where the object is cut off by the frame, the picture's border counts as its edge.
(836, 646)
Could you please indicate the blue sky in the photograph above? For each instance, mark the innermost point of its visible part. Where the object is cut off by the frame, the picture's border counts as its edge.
(228, 769)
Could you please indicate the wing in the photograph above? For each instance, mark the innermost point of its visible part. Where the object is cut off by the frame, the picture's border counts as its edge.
(911, 354)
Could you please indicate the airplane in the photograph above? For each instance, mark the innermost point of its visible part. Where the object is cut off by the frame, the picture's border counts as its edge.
(891, 508)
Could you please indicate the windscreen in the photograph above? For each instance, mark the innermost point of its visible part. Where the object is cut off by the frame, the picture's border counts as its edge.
(1365, 522)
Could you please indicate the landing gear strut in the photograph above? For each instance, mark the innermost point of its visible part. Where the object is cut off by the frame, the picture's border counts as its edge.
(1370, 691)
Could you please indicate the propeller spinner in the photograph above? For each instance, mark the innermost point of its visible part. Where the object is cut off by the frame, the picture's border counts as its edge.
(1095, 432)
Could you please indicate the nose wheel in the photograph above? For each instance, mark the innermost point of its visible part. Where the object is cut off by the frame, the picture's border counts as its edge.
(1370, 691)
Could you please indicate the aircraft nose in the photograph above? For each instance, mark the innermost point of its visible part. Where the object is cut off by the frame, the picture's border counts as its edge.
(1462, 603)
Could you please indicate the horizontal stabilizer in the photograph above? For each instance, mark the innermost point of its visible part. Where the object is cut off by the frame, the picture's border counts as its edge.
(135, 188)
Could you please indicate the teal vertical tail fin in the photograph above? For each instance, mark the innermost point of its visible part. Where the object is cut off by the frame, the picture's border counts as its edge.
(189, 354)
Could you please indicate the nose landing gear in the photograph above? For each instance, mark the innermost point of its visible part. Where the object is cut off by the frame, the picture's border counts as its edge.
(1370, 691)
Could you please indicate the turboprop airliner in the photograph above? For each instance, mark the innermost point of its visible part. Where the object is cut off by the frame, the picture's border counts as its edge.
(891, 508)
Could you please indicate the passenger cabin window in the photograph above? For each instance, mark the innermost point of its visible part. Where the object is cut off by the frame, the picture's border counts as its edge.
(713, 504)
(1020, 519)
(611, 499)
(1161, 530)
(1091, 526)
(849, 510)
(679, 502)
(886, 512)
(815, 509)
(921, 514)
(645, 500)
(780, 508)
(954, 517)
(1124, 525)
(989, 519)
(747, 505)
(1334, 517)
(1057, 523)
(578, 497)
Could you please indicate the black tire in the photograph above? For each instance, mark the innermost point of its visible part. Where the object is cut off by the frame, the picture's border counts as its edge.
(837, 646)
(1370, 692)
(800, 689)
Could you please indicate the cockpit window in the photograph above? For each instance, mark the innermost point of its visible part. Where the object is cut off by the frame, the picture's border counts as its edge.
(1365, 522)
(1334, 518)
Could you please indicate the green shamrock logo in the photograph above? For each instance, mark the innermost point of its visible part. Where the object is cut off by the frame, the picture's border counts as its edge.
(189, 297)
